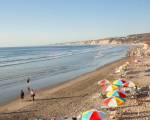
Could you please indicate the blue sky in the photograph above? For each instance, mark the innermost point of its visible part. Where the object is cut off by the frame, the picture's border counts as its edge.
(41, 22)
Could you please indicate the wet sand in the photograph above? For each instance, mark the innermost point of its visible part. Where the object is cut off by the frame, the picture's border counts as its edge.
(68, 99)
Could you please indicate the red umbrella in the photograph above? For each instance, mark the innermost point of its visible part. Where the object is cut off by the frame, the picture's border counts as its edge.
(112, 102)
(125, 83)
(116, 93)
(95, 116)
(108, 88)
(148, 43)
(121, 83)
(103, 83)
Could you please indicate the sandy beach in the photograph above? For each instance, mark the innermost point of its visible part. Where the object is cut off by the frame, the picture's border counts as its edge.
(80, 94)
(67, 99)
(74, 60)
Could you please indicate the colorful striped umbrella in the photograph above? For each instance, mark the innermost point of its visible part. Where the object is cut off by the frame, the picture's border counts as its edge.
(103, 83)
(94, 115)
(124, 82)
(109, 88)
(129, 84)
(113, 102)
(148, 43)
(116, 93)
(120, 83)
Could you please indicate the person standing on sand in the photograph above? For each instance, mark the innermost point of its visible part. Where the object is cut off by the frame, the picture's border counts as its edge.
(22, 94)
(28, 84)
(32, 94)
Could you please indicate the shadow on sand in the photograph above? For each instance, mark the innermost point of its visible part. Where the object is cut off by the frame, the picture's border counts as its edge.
(58, 98)
(135, 115)
(18, 112)
(38, 99)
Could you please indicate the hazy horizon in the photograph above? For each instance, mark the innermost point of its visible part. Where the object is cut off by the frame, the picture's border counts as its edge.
(36, 23)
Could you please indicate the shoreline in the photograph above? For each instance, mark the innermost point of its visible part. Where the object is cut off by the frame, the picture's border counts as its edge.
(56, 86)
(64, 89)
(53, 71)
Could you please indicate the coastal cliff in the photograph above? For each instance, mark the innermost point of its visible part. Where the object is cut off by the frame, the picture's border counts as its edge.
(130, 39)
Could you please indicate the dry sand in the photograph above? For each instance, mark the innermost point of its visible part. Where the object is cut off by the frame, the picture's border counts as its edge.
(140, 75)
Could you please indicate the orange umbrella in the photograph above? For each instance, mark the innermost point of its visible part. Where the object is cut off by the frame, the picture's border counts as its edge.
(109, 88)
(113, 102)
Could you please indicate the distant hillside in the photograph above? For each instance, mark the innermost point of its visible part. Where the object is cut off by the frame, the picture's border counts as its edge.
(130, 39)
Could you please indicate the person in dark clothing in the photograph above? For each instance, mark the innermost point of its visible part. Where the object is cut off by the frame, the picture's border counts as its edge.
(22, 94)
(28, 80)
(28, 84)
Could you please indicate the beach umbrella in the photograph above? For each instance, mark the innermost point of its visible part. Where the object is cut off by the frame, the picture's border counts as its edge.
(129, 84)
(113, 102)
(148, 43)
(120, 83)
(125, 82)
(109, 88)
(94, 115)
(116, 93)
(103, 83)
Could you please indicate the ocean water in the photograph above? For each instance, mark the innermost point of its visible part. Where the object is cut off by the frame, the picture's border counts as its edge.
(50, 65)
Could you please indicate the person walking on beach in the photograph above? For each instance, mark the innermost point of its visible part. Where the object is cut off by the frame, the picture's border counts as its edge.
(32, 93)
(22, 94)
(28, 84)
